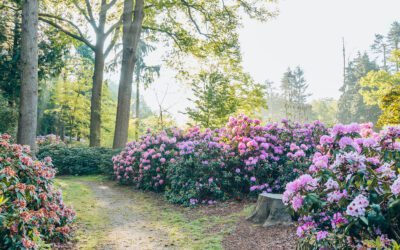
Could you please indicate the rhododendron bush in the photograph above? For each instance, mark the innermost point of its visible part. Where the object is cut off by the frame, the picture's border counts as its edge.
(203, 167)
(32, 212)
(351, 196)
(203, 171)
(45, 140)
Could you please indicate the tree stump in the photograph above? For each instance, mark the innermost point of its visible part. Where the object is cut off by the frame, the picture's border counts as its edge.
(270, 211)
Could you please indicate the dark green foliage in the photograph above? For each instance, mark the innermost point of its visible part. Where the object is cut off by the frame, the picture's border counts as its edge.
(295, 94)
(204, 176)
(79, 160)
(52, 50)
(351, 103)
(215, 100)
(8, 117)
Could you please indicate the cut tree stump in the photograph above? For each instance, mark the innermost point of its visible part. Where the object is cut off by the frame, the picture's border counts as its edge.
(270, 211)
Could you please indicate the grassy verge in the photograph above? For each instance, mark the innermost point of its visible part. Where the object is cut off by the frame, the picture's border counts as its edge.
(186, 228)
(90, 220)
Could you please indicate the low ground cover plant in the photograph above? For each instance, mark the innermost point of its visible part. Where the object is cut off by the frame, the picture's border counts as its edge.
(242, 158)
(32, 212)
(351, 196)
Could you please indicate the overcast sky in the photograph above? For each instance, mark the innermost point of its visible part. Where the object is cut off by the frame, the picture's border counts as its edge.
(307, 33)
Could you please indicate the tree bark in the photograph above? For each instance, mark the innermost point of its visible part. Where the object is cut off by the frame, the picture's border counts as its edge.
(270, 211)
(95, 107)
(101, 52)
(27, 124)
(15, 69)
(132, 26)
(137, 107)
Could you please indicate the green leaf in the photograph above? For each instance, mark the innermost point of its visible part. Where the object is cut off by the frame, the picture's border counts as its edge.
(364, 219)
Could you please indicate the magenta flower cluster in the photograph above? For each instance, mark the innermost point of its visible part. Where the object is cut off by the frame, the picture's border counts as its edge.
(202, 166)
(350, 197)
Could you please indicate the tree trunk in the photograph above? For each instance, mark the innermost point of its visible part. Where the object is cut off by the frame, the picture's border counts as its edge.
(384, 57)
(132, 26)
(95, 107)
(29, 77)
(14, 71)
(270, 211)
(137, 108)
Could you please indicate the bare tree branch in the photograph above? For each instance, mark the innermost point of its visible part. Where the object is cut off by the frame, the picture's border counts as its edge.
(113, 27)
(90, 12)
(193, 20)
(4, 6)
(110, 4)
(112, 42)
(89, 18)
(172, 35)
(67, 32)
(63, 20)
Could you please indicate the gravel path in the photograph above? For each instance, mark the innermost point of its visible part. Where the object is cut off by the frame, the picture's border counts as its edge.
(127, 228)
(132, 225)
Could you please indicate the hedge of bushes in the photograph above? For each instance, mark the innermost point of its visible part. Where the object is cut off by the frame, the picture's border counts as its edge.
(32, 213)
(342, 183)
(351, 197)
(242, 158)
(79, 160)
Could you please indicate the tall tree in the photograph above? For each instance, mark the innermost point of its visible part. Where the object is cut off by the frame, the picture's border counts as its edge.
(132, 26)
(215, 100)
(204, 30)
(105, 23)
(325, 110)
(393, 38)
(380, 47)
(295, 92)
(382, 88)
(27, 121)
(144, 74)
(51, 50)
(351, 104)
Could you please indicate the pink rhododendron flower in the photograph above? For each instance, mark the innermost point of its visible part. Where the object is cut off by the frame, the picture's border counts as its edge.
(322, 235)
(331, 184)
(297, 202)
(395, 187)
(357, 207)
(338, 220)
(345, 141)
(336, 196)
(386, 171)
(326, 139)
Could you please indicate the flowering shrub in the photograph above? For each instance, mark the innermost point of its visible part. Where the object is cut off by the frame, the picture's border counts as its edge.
(32, 212)
(271, 155)
(144, 163)
(203, 171)
(45, 140)
(351, 196)
(202, 167)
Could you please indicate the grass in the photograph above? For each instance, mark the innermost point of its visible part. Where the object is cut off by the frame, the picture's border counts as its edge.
(186, 228)
(90, 220)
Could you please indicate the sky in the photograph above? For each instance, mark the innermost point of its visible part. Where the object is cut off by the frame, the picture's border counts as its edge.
(306, 33)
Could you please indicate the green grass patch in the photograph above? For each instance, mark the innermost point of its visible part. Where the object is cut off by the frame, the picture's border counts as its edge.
(90, 220)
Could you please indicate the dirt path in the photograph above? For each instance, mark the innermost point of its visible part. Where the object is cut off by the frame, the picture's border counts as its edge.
(127, 228)
(110, 216)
